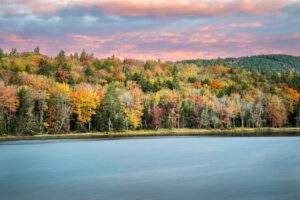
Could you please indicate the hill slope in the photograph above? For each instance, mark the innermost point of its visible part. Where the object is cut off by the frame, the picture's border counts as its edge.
(261, 62)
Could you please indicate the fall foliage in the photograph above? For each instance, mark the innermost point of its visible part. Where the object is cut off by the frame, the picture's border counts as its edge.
(84, 101)
(39, 94)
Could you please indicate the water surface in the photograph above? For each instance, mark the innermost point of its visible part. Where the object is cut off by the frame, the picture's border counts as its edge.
(151, 168)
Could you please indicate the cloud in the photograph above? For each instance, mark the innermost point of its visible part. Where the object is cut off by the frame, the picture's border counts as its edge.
(166, 45)
(158, 8)
(170, 30)
(245, 25)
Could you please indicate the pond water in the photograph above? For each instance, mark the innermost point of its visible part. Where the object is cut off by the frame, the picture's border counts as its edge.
(151, 168)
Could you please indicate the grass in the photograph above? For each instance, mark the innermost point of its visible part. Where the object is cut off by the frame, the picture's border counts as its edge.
(163, 132)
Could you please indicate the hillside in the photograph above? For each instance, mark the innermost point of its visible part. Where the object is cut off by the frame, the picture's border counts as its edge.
(276, 63)
(79, 92)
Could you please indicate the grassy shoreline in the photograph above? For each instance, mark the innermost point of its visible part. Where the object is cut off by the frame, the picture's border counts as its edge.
(161, 132)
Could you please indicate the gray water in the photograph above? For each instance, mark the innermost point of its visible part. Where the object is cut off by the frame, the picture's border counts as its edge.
(151, 168)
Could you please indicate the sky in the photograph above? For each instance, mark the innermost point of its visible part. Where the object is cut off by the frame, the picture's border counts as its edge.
(152, 29)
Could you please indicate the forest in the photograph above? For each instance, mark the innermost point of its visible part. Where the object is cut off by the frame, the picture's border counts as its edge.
(81, 93)
(274, 63)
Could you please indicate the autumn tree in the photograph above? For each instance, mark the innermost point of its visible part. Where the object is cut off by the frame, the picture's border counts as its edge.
(156, 114)
(85, 102)
(59, 110)
(276, 112)
(41, 94)
(293, 96)
(134, 109)
(13, 53)
(8, 106)
(41, 98)
(215, 84)
(240, 108)
(174, 105)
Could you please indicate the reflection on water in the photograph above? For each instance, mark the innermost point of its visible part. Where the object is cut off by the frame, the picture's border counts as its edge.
(151, 168)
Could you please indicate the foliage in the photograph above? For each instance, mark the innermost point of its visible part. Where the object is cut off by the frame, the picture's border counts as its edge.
(40, 95)
(276, 63)
(84, 101)
(110, 117)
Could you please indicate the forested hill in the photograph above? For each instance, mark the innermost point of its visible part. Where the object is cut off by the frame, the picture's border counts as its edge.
(79, 92)
(275, 63)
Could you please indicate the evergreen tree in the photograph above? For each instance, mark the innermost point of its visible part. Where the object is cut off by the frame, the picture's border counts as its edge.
(187, 112)
(45, 68)
(83, 56)
(61, 56)
(97, 64)
(149, 65)
(75, 55)
(26, 123)
(1, 53)
(88, 71)
(37, 50)
(28, 69)
(110, 117)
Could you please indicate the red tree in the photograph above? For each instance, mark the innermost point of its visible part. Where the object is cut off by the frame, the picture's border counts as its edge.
(156, 113)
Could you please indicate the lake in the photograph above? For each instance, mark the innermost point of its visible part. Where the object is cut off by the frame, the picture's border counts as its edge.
(151, 168)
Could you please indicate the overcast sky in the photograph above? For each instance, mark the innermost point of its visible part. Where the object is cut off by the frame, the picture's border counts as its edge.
(152, 29)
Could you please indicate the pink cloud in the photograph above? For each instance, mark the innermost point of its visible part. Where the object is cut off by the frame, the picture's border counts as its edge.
(262, 7)
(12, 39)
(160, 8)
(245, 25)
(205, 42)
(90, 39)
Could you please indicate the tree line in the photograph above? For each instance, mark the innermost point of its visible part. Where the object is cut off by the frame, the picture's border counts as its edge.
(79, 92)
(274, 63)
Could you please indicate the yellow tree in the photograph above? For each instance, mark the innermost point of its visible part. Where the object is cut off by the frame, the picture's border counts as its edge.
(134, 109)
(292, 98)
(156, 99)
(85, 100)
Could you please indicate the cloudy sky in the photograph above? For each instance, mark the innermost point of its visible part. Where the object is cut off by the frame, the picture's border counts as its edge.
(152, 29)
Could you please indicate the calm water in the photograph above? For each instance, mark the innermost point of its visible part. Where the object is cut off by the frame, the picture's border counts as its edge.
(151, 168)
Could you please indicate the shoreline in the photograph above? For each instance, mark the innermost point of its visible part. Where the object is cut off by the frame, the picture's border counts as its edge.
(238, 132)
